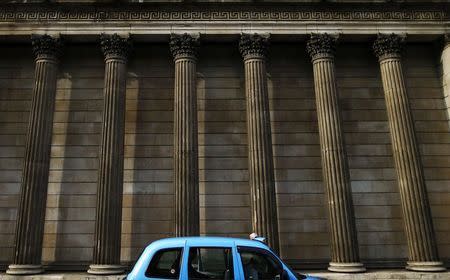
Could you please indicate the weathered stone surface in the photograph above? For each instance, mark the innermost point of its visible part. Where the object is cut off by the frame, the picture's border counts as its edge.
(445, 66)
(344, 243)
(253, 49)
(35, 175)
(106, 257)
(185, 157)
(423, 255)
(290, 88)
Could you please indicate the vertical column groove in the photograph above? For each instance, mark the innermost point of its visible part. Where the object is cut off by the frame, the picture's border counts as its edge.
(445, 66)
(261, 173)
(33, 196)
(187, 218)
(419, 230)
(106, 257)
(344, 243)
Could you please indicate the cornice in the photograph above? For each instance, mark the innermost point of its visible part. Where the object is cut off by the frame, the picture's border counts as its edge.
(19, 13)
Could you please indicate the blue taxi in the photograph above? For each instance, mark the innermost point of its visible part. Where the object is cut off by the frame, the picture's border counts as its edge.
(195, 258)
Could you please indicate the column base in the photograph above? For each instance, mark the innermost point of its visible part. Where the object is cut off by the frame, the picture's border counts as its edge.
(346, 267)
(426, 266)
(24, 269)
(106, 269)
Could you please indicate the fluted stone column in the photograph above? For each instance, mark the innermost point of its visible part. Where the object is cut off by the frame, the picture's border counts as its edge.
(260, 156)
(185, 152)
(343, 239)
(33, 196)
(422, 249)
(108, 221)
(445, 68)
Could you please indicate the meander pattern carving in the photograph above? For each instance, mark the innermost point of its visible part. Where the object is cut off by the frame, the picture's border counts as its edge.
(145, 13)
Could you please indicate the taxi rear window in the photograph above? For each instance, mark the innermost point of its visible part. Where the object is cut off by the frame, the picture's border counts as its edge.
(210, 263)
(165, 264)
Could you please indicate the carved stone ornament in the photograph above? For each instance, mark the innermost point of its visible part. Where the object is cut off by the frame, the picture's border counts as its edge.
(183, 45)
(321, 44)
(180, 12)
(388, 44)
(45, 45)
(114, 45)
(253, 45)
(447, 38)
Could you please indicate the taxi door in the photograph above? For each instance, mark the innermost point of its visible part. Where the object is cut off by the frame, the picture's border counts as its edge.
(210, 261)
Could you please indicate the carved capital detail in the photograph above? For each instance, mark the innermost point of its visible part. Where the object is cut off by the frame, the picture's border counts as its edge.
(388, 45)
(46, 46)
(447, 38)
(321, 44)
(182, 45)
(253, 45)
(115, 46)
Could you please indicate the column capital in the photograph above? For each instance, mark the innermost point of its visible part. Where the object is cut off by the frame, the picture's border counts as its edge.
(184, 45)
(446, 40)
(321, 45)
(388, 45)
(46, 47)
(253, 45)
(115, 46)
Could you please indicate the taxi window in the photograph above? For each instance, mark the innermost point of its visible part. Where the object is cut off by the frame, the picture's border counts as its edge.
(165, 264)
(259, 265)
(210, 263)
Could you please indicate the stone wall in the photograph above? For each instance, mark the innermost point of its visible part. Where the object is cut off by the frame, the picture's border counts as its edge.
(148, 205)
(375, 193)
(71, 199)
(224, 193)
(16, 77)
(224, 189)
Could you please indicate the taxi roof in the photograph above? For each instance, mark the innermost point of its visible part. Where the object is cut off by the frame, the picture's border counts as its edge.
(206, 241)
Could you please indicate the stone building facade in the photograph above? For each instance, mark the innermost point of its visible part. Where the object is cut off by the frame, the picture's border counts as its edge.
(324, 126)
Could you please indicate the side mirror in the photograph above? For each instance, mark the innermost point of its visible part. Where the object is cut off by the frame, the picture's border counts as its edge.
(284, 275)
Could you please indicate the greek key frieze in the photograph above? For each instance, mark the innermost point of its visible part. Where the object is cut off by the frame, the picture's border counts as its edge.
(198, 14)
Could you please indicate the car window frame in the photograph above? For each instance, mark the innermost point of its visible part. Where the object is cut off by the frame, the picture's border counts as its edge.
(258, 250)
(182, 248)
(236, 272)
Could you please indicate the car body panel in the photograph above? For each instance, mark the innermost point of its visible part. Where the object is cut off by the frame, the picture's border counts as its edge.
(185, 243)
